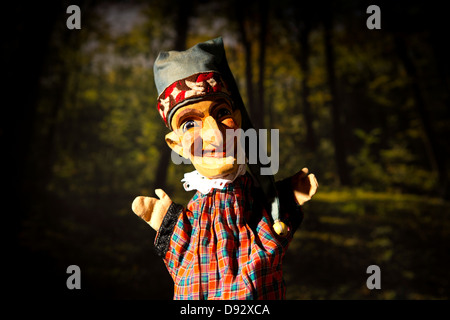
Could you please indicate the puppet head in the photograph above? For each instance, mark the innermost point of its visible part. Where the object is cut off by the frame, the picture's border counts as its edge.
(196, 103)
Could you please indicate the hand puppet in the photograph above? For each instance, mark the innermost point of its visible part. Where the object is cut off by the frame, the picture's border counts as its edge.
(230, 240)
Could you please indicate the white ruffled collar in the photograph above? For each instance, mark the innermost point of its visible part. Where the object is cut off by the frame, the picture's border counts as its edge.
(195, 181)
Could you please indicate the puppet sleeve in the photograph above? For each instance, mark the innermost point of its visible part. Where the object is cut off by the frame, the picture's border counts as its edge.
(174, 237)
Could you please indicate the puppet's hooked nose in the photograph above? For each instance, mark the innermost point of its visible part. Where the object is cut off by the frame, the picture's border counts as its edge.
(211, 133)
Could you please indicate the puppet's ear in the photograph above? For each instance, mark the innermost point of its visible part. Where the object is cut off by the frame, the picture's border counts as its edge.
(174, 142)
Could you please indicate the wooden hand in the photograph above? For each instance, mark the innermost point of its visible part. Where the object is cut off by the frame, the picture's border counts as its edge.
(304, 186)
(152, 210)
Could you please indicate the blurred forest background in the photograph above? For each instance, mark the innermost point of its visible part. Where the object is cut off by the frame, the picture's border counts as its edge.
(366, 110)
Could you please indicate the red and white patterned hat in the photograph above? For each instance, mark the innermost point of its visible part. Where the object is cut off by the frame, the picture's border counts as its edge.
(193, 88)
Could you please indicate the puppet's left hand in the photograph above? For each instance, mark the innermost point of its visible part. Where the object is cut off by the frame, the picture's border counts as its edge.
(304, 185)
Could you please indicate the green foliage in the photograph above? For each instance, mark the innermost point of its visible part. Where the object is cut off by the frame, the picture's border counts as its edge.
(346, 231)
(395, 168)
(368, 171)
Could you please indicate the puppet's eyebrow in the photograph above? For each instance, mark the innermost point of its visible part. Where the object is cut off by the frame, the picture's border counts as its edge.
(218, 103)
(187, 111)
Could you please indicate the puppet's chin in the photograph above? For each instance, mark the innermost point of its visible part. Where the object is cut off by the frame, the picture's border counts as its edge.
(214, 168)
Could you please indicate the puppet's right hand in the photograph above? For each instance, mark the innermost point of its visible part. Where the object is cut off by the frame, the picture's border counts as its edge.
(152, 210)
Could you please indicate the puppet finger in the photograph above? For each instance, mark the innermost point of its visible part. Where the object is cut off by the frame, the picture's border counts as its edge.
(303, 173)
(163, 196)
(160, 193)
(314, 184)
(143, 207)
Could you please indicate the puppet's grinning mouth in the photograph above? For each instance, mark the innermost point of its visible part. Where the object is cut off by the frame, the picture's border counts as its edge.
(213, 154)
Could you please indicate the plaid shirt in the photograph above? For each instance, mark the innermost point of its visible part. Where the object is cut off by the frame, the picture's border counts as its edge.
(223, 245)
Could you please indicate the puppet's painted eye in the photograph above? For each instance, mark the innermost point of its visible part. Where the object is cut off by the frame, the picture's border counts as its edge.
(222, 113)
(188, 125)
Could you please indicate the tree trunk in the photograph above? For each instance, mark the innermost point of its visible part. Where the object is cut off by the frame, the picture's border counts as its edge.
(337, 128)
(248, 61)
(181, 27)
(303, 59)
(435, 157)
(264, 12)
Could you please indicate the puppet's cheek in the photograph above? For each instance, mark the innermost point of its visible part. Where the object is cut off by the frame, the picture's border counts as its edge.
(187, 138)
(192, 145)
(230, 123)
